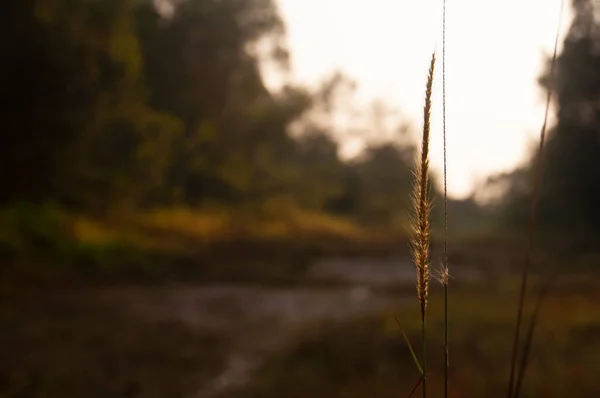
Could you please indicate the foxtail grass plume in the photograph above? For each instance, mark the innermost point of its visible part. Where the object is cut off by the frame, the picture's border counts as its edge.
(421, 227)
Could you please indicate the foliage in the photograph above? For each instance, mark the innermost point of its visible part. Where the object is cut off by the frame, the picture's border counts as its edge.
(120, 106)
(28, 230)
(571, 180)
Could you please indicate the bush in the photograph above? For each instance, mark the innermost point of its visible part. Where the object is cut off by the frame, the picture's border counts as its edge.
(28, 230)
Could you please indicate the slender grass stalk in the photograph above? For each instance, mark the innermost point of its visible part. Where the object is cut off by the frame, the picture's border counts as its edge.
(532, 214)
(444, 276)
(446, 349)
(529, 337)
(420, 242)
(424, 345)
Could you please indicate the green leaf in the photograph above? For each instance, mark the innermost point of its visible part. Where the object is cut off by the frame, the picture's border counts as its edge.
(412, 352)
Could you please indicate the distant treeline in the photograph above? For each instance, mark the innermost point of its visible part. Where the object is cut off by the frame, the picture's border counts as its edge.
(138, 104)
(126, 103)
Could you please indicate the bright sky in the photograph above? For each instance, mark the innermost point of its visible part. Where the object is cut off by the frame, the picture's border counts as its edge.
(494, 53)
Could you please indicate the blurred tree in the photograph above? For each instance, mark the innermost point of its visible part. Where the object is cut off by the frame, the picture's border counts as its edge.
(381, 184)
(74, 125)
(572, 169)
(571, 182)
(132, 103)
(201, 68)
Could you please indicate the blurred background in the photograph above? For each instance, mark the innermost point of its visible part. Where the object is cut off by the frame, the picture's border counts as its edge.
(211, 198)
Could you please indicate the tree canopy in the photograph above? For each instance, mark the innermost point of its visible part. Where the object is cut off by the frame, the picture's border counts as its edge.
(571, 170)
(132, 103)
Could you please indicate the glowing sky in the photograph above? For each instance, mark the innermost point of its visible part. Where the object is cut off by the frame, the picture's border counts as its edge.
(494, 53)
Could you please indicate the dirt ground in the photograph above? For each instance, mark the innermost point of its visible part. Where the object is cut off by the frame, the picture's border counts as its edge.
(62, 341)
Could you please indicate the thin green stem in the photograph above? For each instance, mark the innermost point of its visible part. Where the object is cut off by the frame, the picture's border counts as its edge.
(445, 265)
(424, 359)
(446, 358)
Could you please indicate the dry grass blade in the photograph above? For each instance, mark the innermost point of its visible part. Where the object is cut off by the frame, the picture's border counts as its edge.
(417, 384)
(532, 214)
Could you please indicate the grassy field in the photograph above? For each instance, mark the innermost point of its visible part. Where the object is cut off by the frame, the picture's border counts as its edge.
(63, 340)
(75, 343)
(367, 356)
(45, 244)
